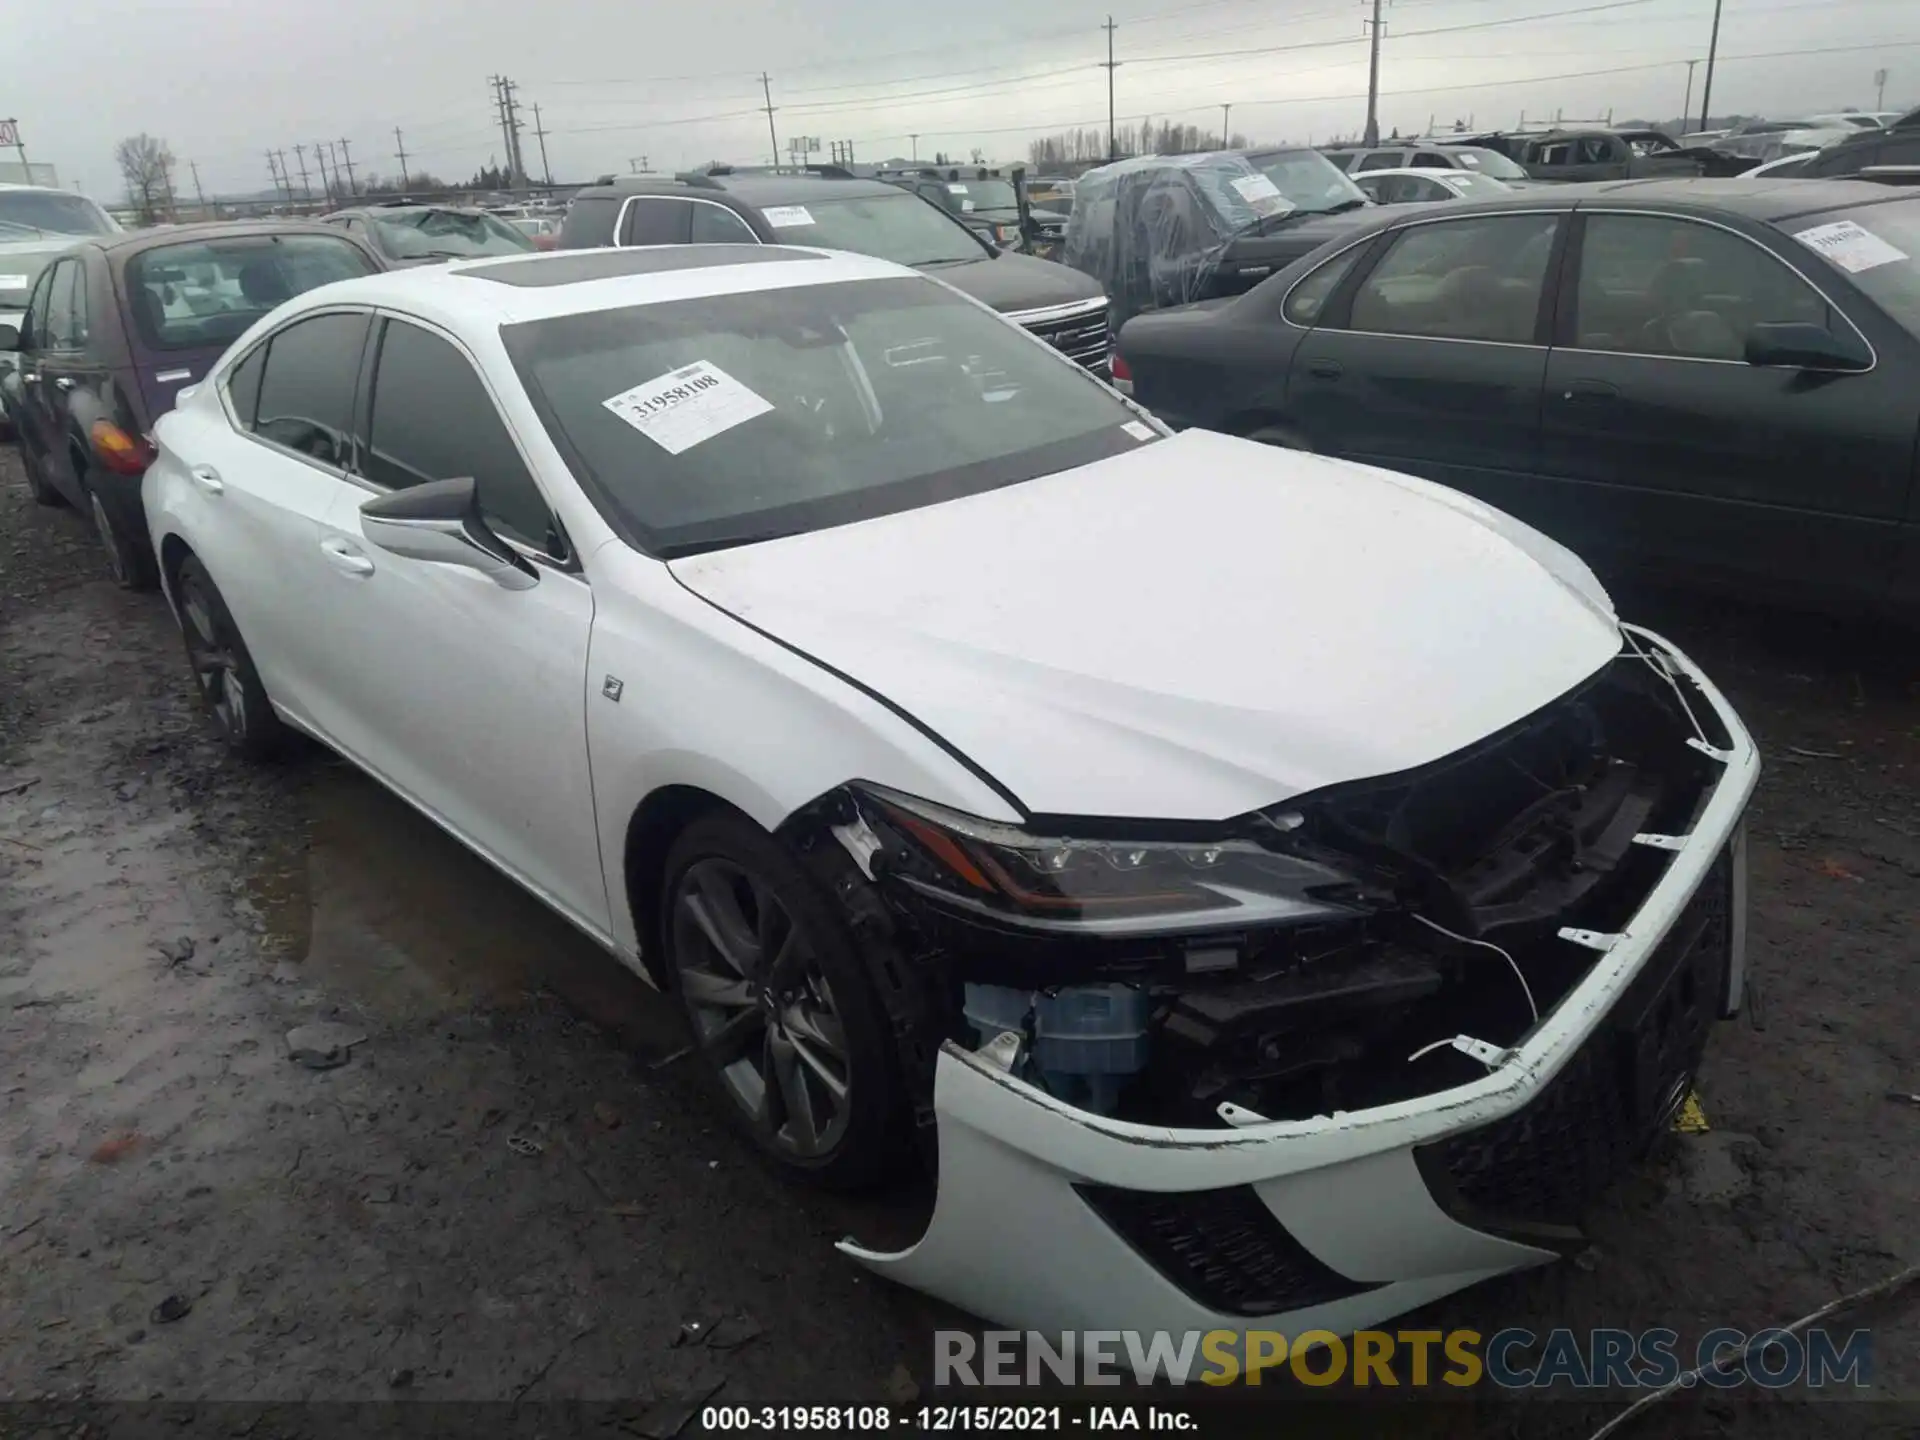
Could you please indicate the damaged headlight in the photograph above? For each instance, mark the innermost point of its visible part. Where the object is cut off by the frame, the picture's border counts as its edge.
(1123, 885)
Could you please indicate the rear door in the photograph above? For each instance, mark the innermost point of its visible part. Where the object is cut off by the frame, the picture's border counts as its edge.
(262, 481)
(1433, 363)
(1667, 450)
(58, 345)
(31, 416)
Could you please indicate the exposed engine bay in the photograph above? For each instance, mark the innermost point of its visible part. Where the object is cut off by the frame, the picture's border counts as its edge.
(1353, 947)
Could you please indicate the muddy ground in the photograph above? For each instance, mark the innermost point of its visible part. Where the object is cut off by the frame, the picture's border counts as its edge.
(514, 1192)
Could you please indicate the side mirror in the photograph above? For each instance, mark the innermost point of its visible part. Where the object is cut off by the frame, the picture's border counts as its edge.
(440, 522)
(1796, 345)
(9, 338)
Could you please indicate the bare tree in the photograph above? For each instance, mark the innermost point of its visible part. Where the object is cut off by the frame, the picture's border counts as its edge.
(146, 166)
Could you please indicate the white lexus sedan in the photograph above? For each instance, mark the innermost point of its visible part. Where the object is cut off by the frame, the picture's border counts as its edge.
(1279, 891)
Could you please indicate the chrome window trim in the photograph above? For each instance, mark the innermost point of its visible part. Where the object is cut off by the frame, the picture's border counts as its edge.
(1873, 355)
(620, 218)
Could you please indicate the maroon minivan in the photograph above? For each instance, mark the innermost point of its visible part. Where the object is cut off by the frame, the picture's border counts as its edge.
(118, 325)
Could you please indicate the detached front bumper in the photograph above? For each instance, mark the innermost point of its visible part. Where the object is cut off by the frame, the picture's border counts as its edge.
(1050, 1218)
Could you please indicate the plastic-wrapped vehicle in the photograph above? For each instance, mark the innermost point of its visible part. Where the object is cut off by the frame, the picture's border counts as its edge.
(1172, 229)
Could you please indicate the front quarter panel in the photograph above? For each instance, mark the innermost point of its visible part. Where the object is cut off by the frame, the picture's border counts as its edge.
(681, 694)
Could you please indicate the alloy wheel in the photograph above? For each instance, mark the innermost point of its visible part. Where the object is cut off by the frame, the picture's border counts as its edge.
(116, 561)
(215, 666)
(761, 1008)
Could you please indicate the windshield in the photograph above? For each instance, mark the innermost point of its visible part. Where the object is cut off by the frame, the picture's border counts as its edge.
(1879, 248)
(985, 194)
(1307, 180)
(728, 419)
(444, 234)
(1487, 162)
(1475, 186)
(206, 293)
(25, 213)
(895, 226)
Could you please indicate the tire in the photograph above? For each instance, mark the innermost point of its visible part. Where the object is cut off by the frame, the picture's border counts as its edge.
(1282, 438)
(774, 1034)
(129, 558)
(223, 671)
(37, 486)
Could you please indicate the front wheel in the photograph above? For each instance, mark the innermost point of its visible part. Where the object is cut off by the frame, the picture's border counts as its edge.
(223, 670)
(784, 1017)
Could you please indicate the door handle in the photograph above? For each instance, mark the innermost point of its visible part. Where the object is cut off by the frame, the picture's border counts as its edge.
(29, 377)
(1590, 390)
(346, 557)
(1325, 369)
(208, 479)
(63, 382)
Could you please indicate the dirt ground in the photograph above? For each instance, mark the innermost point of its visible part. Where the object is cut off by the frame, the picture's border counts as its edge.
(515, 1192)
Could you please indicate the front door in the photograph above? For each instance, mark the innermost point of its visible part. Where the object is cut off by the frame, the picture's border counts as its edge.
(1433, 364)
(467, 697)
(48, 378)
(1671, 452)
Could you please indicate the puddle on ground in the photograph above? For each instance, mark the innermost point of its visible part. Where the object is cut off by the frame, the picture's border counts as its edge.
(392, 912)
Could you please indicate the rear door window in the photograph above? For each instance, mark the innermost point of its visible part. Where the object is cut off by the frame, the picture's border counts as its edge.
(243, 385)
(590, 222)
(1379, 160)
(1479, 278)
(306, 391)
(66, 308)
(657, 220)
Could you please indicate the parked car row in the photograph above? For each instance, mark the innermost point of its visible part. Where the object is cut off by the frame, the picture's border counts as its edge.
(1717, 381)
(982, 765)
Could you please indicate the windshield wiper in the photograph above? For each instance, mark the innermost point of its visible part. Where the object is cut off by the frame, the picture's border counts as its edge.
(941, 260)
(722, 542)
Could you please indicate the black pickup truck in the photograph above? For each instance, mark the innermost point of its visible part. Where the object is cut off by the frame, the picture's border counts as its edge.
(1602, 154)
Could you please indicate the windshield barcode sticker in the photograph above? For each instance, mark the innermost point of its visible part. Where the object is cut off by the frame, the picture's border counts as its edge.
(1852, 247)
(956, 189)
(14, 282)
(785, 217)
(688, 405)
(1255, 187)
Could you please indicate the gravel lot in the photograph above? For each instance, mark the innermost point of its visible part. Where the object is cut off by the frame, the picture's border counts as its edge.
(514, 1192)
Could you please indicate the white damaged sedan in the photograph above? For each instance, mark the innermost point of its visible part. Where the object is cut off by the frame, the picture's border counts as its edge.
(1272, 891)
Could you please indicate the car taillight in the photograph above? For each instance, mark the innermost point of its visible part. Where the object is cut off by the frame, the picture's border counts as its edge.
(120, 452)
(1122, 374)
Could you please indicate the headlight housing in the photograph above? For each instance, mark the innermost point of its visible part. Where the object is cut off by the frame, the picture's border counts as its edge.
(1111, 886)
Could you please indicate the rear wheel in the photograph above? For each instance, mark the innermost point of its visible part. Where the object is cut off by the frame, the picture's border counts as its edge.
(37, 486)
(784, 1018)
(223, 671)
(129, 557)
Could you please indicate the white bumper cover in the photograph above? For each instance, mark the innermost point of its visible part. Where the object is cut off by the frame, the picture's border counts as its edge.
(1013, 1241)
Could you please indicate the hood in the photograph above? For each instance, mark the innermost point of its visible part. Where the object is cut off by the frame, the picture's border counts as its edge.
(1010, 282)
(1193, 630)
(21, 262)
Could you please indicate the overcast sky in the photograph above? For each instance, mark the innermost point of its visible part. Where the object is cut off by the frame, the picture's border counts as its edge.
(678, 83)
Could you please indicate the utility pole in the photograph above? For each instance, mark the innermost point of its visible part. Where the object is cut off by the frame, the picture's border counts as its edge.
(1110, 65)
(638, 165)
(198, 193)
(503, 103)
(540, 134)
(516, 164)
(1226, 120)
(1879, 92)
(279, 185)
(401, 155)
(916, 145)
(1713, 50)
(12, 127)
(1687, 108)
(320, 160)
(300, 154)
(1372, 134)
(347, 155)
(773, 140)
